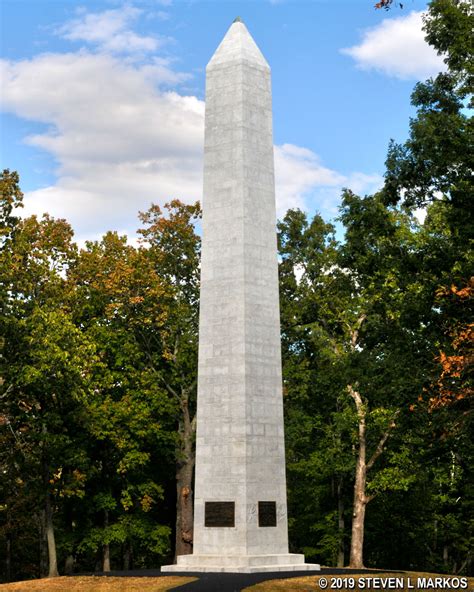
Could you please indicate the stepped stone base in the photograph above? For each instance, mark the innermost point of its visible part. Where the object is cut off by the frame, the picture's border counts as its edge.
(240, 563)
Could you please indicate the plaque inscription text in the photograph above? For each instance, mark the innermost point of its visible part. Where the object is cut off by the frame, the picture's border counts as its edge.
(267, 514)
(219, 514)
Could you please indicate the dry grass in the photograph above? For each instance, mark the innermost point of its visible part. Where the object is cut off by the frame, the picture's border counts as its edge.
(161, 584)
(311, 583)
(97, 584)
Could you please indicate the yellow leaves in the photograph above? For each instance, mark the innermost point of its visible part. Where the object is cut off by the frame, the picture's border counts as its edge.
(147, 502)
(56, 476)
(122, 283)
(168, 355)
(78, 476)
(112, 309)
(68, 484)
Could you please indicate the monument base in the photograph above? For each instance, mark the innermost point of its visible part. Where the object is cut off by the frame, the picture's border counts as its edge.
(240, 563)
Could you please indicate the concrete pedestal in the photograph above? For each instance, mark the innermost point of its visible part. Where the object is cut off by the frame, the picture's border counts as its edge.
(240, 563)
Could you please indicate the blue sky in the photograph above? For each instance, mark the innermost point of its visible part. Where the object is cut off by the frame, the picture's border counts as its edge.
(102, 101)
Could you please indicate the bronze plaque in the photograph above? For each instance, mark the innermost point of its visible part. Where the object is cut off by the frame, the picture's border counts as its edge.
(218, 514)
(267, 514)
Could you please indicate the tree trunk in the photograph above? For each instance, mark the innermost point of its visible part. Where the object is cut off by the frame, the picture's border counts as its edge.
(70, 560)
(69, 564)
(184, 508)
(360, 500)
(106, 548)
(43, 551)
(358, 524)
(184, 483)
(48, 511)
(445, 556)
(8, 557)
(340, 522)
(127, 556)
(362, 467)
(106, 558)
(49, 527)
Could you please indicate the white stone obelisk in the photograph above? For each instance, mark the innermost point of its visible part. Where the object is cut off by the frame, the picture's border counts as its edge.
(240, 522)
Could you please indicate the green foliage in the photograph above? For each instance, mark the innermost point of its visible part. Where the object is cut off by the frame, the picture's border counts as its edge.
(86, 339)
(345, 324)
(11, 199)
(372, 316)
(436, 162)
(448, 27)
(99, 358)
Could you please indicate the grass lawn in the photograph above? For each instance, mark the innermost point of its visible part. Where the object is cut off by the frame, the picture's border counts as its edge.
(97, 584)
(311, 583)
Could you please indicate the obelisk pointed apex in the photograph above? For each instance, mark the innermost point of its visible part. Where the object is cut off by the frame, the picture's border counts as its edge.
(237, 20)
(238, 45)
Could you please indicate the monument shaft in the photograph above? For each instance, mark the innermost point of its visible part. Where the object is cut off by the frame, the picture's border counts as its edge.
(240, 453)
(240, 517)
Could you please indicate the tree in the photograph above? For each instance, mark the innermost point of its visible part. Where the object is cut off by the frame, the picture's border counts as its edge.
(454, 383)
(49, 381)
(433, 169)
(45, 360)
(98, 371)
(173, 251)
(118, 297)
(348, 304)
(436, 162)
(316, 426)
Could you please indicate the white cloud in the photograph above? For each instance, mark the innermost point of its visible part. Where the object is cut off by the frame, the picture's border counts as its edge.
(364, 184)
(303, 182)
(119, 141)
(297, 172)
(110, 31)
(397, 48)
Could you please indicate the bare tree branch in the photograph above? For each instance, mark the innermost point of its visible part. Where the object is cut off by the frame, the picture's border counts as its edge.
(355, 332)
(383, 439)
(8, 390)
(358, 401)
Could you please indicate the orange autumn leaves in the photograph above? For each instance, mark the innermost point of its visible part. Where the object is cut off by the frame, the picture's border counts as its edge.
(455, 379)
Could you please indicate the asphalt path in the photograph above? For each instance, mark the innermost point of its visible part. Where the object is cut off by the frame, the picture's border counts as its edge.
(233, 582)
